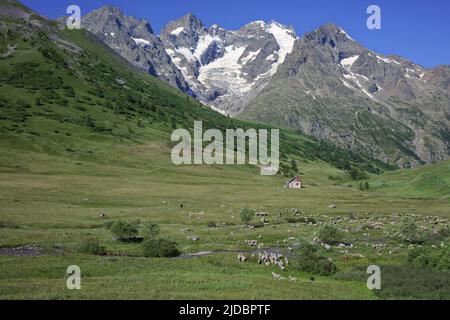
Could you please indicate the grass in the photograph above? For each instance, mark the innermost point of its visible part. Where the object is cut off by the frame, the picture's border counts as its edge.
(217, 277)
(59, 204)
(430, 181)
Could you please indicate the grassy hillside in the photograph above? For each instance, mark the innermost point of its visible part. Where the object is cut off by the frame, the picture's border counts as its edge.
(84, 142)
(431, 181)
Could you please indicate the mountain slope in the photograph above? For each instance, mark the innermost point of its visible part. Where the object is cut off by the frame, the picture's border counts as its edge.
(430, 181)
(384, 106)
(134, 40)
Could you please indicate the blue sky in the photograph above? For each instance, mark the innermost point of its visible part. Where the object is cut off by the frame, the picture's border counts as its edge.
(416, 29)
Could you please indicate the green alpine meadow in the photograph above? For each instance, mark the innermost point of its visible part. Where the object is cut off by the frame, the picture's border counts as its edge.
(87, 179)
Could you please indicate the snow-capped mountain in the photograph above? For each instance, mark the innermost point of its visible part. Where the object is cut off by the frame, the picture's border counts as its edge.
(324, 84)
(333, 88)
(134, 40)
(226, 69)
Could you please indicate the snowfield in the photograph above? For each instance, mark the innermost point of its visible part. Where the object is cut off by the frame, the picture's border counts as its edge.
(216, 59)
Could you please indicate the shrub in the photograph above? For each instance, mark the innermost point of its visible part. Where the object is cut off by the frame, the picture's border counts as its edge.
(412, 233)
(409, 229)
(405, 282)
(247, 215)
(330, 234)
(309, 260)
(140, 123)
(125, 230)
(90, 246)
(160, 248)
(294, 167)
(424, 258)
(364, 186)
(357, 174)
(149, 230)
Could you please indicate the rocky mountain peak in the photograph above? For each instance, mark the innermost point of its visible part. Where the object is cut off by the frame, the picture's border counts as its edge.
(191, 21)
(188, 24)
(113, 16)
(227, 68)
(331, 35)
(109, 8)
(268, 26)
(134, 40)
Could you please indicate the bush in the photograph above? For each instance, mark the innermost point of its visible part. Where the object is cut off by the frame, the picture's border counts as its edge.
(364, 186)
(357, 174)
(294, 167)
(160, 248)
(412, 234)
(330, 234)
(404, 282)
(125, 230)
(149, 230)
(309, 260)
(247, 215)
(90, 246)
(424, 258)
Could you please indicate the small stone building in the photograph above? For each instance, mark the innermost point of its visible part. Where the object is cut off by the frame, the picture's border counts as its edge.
(294, 183)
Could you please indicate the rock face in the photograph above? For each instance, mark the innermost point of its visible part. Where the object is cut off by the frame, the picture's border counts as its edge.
(226, 69)
(134, 40)
(384, 106)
